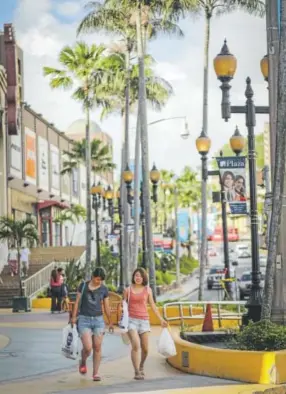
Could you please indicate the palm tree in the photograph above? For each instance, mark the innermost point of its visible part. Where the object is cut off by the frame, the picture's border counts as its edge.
(101, 160)
(74, 214)
(18, 232)
(82, 69)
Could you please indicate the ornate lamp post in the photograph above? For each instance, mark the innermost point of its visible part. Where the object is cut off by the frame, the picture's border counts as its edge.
(112, 210)
(203, 144)
(96, 192)
(225, 67)
(154, 178)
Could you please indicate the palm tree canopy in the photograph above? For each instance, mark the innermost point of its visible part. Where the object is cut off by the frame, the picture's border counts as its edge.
(81, 69)
(72, 214)
(158, 90)
(18, 231)
(100, 157)
(189, 188)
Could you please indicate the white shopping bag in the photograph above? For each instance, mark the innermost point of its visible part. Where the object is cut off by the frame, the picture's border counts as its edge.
(166, 345)
(70, 342)
(124, 321)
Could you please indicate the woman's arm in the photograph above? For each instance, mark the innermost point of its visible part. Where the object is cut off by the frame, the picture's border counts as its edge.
(155, 309)
(75, 308)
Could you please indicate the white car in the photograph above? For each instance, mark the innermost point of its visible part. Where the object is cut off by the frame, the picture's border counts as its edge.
(245, 284)
(216, 275)
(242, 249)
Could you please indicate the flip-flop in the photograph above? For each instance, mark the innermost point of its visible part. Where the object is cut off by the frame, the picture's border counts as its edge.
(82, 369)
(96, 378)
(138, 376)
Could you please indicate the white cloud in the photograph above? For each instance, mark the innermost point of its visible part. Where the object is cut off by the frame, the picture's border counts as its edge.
(41, 35)
(68, 8)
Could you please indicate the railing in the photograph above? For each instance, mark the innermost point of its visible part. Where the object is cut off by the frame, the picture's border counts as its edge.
(219, 309)
(41, 279)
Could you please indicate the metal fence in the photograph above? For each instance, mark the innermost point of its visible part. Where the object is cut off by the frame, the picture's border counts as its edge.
(220, 310)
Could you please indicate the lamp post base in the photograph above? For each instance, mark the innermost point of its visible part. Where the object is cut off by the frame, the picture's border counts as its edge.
(254, 306)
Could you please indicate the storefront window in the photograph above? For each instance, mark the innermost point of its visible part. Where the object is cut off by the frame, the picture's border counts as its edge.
(57, 234)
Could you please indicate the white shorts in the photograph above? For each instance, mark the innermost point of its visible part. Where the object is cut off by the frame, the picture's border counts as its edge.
(139, 325)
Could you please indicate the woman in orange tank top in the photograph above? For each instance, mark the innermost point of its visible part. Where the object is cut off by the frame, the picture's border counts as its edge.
(138, 296)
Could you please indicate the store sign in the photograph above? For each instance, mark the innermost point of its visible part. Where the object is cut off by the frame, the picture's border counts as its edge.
(43, 163)
(16, 155)
(30, 156)
(55, 169)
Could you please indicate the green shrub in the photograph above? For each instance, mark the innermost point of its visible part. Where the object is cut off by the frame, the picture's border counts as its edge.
(111, 288)
(188, 264)
(159, 280)
(261, 336)
(167, 278)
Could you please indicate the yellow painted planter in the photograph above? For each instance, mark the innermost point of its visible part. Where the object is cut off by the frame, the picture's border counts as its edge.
(245, 366)
(41, 303)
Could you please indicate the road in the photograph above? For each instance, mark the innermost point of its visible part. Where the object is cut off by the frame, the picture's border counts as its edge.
(217, 294)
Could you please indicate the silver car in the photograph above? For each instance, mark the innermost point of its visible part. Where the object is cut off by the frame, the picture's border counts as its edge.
(245, 284)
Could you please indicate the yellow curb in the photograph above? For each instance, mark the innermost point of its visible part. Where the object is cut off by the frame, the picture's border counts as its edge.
(4, 341)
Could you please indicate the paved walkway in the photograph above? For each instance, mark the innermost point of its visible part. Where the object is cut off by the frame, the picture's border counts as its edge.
(31, 362)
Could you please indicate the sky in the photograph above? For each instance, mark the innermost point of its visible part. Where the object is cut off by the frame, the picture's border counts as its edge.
(44, 27)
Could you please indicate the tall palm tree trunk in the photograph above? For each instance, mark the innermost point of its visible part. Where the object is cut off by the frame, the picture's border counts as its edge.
(126, 208)
(88, 200)
(203, 252)
(279, 180)
(145, 153)
(137, 192)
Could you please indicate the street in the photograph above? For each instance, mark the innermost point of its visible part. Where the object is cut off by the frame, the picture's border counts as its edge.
(217, 294)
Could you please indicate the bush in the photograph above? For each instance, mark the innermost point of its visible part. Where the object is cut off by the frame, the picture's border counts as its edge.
(159, 280)
(261, 336)
(188, 264)
(167, 278)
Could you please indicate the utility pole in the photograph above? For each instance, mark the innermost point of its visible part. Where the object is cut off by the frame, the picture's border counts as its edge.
(177, 238)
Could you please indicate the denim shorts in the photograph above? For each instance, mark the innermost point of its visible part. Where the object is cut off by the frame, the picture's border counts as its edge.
(94, 325)
(139, 325)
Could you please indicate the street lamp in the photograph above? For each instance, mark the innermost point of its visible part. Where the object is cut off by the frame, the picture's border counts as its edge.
(154, 178)
(237, 142)
(264, 66)
(225, 67)
(203, 144)
(112, 210)
(96, 192)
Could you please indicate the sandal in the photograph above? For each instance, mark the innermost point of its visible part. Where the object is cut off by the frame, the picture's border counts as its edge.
(96, 378)
(82, 368)
(138, 376)
(141, 371)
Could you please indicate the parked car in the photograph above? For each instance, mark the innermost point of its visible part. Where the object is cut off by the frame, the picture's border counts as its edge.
(240, 249)
(216, 275)
(244, 255)
(245, 284)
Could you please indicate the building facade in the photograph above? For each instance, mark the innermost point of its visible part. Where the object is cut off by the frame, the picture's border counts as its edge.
(32, 153)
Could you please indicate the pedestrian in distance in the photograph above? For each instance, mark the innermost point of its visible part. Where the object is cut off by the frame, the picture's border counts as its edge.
(91, 301)
(138, 296)
(24, 260)
(56, 283)
(13, 260)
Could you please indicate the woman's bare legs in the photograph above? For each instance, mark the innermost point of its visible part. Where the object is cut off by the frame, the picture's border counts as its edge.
(135, 356)
(144, 341)
(96, 344)
(86, 347)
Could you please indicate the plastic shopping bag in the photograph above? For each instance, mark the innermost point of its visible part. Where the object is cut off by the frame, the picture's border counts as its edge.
(124, 321)
(166, 345)
(70, 342)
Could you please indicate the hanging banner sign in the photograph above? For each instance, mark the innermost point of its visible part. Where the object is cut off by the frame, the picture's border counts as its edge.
(233, 175)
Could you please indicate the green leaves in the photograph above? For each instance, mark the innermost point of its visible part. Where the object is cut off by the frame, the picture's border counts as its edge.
(18, 231)
(101, 158)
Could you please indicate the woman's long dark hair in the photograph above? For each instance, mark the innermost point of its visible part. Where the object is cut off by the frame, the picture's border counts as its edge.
(54, 275)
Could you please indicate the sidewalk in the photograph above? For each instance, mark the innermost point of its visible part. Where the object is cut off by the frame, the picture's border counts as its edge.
(186, 288)
(32, 363)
